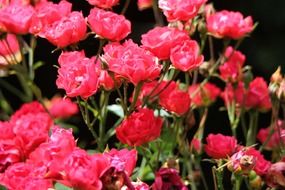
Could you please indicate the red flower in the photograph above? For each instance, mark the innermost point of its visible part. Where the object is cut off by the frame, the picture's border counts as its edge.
(66, 31)
(186, 56)
(175, 10)
(16, 18)
(234, 94)
(131, 62)
(275, 175)
(203, 95)
(229, 24)
(258, 95)
(105, 4)
(47, 13)
(219, 146)
(231, 70)
(196, 145)
(62, 107)
(261, 165)
(160, 40)
(77, 74)
(174, 100)
(139, 128)
(9, 51)
(275, 139)
(167, 179)
(122, 160)
(109, 25)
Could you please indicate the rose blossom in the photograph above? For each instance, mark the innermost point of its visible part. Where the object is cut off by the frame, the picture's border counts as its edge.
(168, 178)
(9, 50)
(229, 24)
(196, 145)
(144, 4)
(52, 153)
(23, 176)
(174, 100)
(160, 40)
(203, 95)
(108, 24)
(47, 13)
(131, 62)
(275, 139)
(77, 74)
(62, 107)
(261, 165)
(219, 146)
(275, 175)
(66, 31)
(139, 128)
(257, 95)
(231, 69)
(122, 160)
(185, 56)
(10, 150)
(16, 18)
(82, 171)
(182, 10)
(105, 4)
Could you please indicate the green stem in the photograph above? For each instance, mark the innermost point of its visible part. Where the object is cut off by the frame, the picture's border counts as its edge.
(104, 100)
(136, 95)
(126, 6)
(157, 14)
(252, 131)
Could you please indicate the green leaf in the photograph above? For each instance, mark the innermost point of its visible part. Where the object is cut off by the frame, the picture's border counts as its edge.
(116, 109)
(38, 65)
(59, 186)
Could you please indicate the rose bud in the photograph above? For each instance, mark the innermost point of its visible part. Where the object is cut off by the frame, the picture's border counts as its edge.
(144, 4)
(9, 51)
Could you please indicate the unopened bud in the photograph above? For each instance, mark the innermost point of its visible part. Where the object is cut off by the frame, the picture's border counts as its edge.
(255, 180)
(276, 77)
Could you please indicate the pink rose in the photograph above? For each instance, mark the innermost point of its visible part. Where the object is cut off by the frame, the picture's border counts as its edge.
(16, 18)
(66, 31)
(105, 4)
(219, 146)
(182, 10)
(32, 130)
(47, 13)
(185, 56)
(62, 107)
(10, 150)
(131, 62)
(122, 160)
(275, 175)
(9, 51)
(53, 152)
(175, 100)
(81, 170)
(231, 69)
(203, 95)
(168, 178)
(160, 40)
(139, 128)
(229, 24)
(109, 25)
(77, 74)
(22, 176)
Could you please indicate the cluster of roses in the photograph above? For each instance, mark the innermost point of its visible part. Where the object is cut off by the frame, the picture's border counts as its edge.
(35, 153)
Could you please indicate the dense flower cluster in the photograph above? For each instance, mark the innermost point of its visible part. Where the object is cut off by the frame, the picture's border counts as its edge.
(146, 104)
